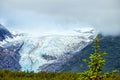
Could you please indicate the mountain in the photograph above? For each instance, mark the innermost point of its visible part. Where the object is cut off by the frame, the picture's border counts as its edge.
(9, 50)
(4, 33)
(43, 53)
(55, 52)
(9, 56)
(110, 44)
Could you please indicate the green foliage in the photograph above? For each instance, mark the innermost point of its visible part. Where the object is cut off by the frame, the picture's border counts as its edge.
(19, 75)
(95, 64)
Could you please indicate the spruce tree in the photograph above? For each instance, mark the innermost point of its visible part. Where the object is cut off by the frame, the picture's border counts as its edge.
(95, 64)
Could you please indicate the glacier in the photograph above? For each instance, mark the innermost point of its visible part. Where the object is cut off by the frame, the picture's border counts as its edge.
(47, 52)
(49, 49)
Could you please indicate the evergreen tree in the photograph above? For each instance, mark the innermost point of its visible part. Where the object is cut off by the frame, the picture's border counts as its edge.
(95, 63)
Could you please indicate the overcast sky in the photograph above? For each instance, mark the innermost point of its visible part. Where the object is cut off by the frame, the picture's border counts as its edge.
(45, 15)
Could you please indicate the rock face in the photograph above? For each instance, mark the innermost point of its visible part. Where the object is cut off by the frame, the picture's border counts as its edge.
(9, 56)
(9, 50)
(4, 33)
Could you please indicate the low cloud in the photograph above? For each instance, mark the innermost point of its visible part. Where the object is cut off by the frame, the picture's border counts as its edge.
(104, 15)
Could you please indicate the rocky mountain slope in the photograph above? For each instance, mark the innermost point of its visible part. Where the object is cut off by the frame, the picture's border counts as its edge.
(9, 51)
(4, 33)
(110, 44)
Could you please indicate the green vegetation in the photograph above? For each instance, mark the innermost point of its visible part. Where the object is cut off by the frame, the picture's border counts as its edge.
(15, 75)
(95, 71)
(95, 64)
(18, 75)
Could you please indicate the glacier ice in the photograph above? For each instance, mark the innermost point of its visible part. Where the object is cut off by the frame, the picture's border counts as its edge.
(57, 47)
(37, 53)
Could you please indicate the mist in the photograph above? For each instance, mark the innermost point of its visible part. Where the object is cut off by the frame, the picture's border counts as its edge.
(57, 15)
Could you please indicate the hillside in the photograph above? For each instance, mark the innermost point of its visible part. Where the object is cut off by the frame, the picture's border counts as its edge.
(109, 44)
